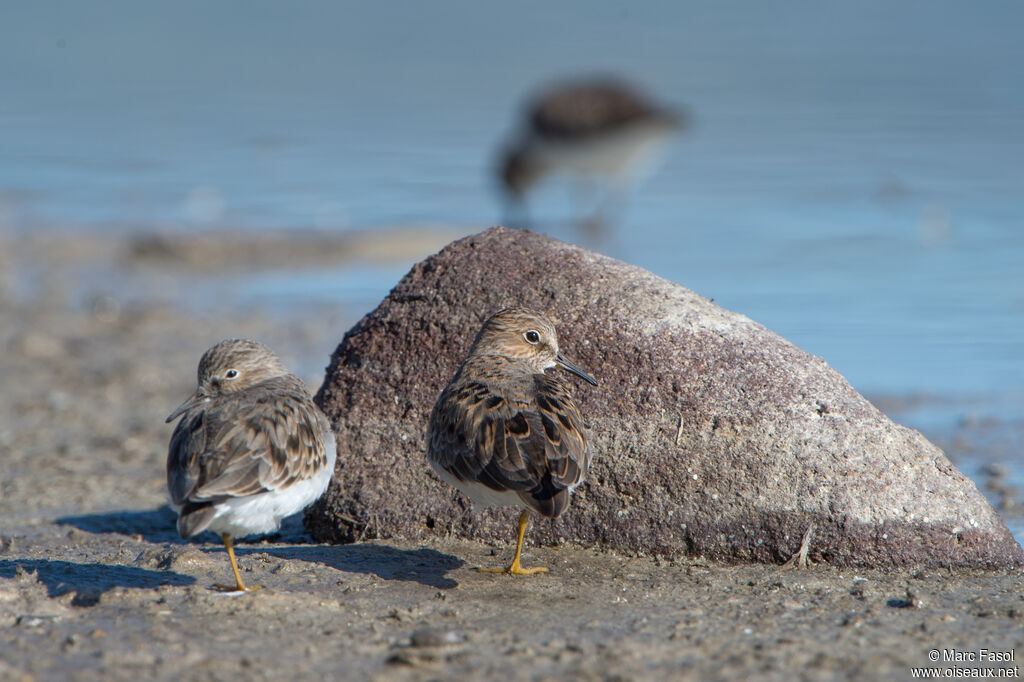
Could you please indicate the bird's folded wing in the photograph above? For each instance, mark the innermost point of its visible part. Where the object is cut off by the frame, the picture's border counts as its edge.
(508, 443)
(241, 448)
(586, 110)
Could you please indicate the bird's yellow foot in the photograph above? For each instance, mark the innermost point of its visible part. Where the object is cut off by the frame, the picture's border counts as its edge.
(514, 569)
(219, 587)
(519, 570)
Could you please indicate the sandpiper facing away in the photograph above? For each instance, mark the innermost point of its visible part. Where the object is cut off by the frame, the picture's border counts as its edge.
(251, 447)
(506, 433)
(598, 128)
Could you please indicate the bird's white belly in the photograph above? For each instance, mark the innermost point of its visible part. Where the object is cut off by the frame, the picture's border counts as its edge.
(241, 516)
(625, 152)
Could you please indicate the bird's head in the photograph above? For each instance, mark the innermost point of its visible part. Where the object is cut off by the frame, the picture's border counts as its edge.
(526, 336)
(231, 366)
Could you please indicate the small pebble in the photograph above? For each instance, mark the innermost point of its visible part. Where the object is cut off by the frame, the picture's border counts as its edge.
(434, 637)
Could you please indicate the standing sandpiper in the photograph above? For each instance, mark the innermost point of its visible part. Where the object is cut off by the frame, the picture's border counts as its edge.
(504, 432)
(251, 447)
(593, 128)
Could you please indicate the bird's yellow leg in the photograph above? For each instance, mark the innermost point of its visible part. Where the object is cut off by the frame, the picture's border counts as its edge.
(515, 568)
(239, 585)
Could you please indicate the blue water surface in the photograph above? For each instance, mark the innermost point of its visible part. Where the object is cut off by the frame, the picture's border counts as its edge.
(853, 178)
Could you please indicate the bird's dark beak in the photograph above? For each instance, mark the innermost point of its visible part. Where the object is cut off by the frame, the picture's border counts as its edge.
(195, 399)
(571, 367)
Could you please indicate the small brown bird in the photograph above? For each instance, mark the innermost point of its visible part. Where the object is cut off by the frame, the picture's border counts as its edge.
(251, 447)
(506, 433)
(589, 128)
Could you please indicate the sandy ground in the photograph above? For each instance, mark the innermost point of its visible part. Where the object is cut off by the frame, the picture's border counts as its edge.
(95, 584)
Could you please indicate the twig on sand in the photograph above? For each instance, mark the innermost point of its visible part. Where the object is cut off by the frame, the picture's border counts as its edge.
(799, 560)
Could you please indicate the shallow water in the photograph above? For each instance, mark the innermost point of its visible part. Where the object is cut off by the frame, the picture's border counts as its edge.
(852, 180)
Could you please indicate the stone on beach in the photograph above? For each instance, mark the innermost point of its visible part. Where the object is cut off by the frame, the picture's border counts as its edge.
(712, 435)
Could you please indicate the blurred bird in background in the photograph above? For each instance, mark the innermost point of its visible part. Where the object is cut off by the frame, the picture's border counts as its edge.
(601, 131)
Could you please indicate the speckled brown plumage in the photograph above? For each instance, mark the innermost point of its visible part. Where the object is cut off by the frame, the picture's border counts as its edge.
(251, 446)
(503, 431)
(598, 127)
(588, 108)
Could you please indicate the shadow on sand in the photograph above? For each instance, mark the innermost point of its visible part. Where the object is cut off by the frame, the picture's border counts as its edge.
(424, 565)
(153, 525)
(89, 581)
(161, 526)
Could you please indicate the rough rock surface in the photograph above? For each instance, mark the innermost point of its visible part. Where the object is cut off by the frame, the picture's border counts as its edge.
(712, 435)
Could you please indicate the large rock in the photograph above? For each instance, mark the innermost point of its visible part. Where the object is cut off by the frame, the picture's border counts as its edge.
(712, 435)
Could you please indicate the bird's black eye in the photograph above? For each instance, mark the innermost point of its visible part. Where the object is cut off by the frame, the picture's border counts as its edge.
(531, 336)
(231, 374)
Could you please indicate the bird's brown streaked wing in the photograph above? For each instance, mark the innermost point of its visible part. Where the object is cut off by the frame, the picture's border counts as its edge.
(188, 443)
(254, 447)
(559, 415)
(534, 446)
